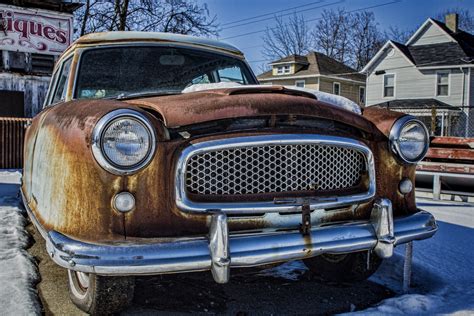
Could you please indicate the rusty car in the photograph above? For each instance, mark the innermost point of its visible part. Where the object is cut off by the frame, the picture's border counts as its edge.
(131, 171)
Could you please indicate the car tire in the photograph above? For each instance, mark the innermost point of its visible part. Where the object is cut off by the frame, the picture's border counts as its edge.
(100, 295)
(345, 268)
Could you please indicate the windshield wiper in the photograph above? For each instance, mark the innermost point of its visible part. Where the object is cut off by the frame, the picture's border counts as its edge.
(125, 96)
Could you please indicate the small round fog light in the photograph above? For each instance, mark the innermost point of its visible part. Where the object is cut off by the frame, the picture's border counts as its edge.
(405, 186)
(124, 202)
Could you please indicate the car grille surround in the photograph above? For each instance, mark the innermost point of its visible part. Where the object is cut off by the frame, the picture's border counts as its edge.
(274, 168)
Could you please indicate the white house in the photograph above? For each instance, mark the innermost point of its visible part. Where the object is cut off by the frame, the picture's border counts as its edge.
(429, 76)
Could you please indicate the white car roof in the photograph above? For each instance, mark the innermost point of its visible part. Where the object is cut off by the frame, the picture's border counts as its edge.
(120, 36)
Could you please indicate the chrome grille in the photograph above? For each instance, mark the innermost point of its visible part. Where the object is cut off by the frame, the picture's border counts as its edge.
(274, 168)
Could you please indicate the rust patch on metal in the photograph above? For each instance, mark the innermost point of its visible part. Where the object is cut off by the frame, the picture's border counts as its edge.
(203, 106)
(382, 118)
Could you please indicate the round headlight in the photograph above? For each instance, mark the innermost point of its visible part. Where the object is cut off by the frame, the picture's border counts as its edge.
(123, 141)
(409, 139)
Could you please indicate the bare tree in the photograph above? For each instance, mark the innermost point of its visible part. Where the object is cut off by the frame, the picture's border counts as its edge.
(332, 34)
(466, 20)
(287, 38)
(177, 16)
(396, 34)
(351, 38)
(365, 38)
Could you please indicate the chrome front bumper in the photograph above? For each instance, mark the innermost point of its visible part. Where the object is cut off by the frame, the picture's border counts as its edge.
(220, 251)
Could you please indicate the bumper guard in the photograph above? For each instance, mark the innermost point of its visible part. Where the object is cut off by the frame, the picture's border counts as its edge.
(220, 251)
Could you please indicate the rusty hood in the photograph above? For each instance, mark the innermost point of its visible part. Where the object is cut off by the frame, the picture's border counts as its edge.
(203, 106)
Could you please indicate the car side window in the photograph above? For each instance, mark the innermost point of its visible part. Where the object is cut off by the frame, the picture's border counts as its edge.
(51, 85)
(231, 74)
(61, 86)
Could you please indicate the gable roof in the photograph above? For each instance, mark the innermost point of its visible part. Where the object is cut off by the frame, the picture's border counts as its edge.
(404, 50)
(428, 22)
(317, 64)
(400, 47)
(298, 59)
(459, 51)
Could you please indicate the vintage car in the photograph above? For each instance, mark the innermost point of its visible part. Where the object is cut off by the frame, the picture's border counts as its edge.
(131, 170)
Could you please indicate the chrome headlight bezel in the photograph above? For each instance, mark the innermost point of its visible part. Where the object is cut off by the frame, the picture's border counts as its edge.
(97, 141)
(394, 137)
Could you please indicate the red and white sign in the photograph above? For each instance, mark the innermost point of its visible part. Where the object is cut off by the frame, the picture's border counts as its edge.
(34, 31)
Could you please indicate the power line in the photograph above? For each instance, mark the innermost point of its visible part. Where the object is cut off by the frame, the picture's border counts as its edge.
(282, 15)
(425, 36)
(272, 13)
(312, 20)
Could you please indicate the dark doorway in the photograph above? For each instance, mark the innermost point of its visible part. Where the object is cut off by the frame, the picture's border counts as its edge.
(12, 103)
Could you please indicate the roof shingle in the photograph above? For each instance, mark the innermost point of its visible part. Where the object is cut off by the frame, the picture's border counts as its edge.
(414, 104)
(443, 54)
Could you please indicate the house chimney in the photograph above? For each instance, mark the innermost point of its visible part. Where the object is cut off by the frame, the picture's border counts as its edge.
(451, 21)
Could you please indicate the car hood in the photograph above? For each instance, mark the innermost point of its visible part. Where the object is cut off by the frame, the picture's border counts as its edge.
(209, 105)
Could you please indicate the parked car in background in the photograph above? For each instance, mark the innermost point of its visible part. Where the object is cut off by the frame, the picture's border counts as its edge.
(134, 167)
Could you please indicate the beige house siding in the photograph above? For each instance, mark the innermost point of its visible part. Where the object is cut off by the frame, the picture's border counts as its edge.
(312, 83)
(348, 89)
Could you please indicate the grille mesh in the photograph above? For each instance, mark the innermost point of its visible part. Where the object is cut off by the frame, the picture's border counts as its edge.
(274, 168)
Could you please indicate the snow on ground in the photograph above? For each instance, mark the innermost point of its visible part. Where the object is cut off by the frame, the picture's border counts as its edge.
(443, 277)
(18, 273)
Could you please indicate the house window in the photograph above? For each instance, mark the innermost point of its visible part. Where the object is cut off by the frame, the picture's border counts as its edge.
(389, 85)
(300, 83)
(283, 69)
(442, 83)
(336, 88)
(361, 95)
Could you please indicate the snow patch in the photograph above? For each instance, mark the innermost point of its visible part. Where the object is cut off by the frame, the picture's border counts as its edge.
(212, 86)
(442, 278)
(18, 273)
(338, 100)
(322, 96)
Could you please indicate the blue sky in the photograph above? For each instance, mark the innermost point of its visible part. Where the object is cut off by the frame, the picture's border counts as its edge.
(401, 13)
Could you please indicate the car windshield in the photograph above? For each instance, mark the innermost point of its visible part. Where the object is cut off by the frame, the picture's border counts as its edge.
(138, 70)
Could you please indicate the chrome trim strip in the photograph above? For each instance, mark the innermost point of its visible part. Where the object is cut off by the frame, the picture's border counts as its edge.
(180, 255)
(187, 205)
(97, 141)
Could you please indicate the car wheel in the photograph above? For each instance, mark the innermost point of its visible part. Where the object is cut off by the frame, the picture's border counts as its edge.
(350, 267)
(100, 295)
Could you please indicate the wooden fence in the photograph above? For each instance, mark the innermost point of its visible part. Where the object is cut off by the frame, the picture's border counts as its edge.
(12, 135)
